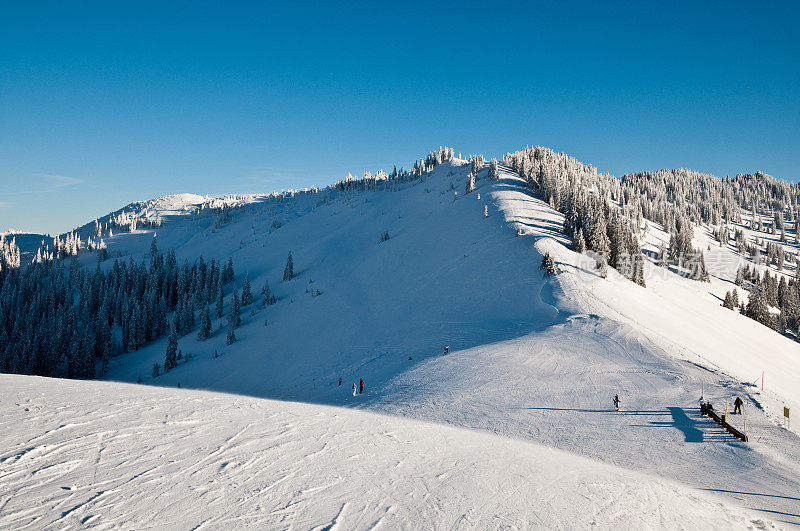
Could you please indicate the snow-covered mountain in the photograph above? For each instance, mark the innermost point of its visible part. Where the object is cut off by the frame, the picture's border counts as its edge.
(386, 277)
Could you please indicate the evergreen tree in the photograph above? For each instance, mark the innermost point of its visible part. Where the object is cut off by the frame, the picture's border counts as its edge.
(267, 298)
(739, 277)
(153, 251)
(728, 302)
(578, 242)
(220, 302)
(494, 170)
(228, 274)
(234, 320)
(247, 295)
(757, 307)
(549, 265)
(470, 183)
(638, 270)
(187, 319)
(288, 271)
(230, 339)
(171, 355)
(703, 271)
(205, 325)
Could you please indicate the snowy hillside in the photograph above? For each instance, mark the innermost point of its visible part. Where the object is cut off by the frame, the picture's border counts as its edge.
(386, 277)
(85, 454)
(379, 303)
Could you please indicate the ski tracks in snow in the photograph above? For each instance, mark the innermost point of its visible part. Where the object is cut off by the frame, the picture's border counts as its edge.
(194, 460)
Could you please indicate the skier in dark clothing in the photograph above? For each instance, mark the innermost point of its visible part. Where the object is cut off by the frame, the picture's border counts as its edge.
(361, 386)
(737, 406)
(340, 381)
(616, 402)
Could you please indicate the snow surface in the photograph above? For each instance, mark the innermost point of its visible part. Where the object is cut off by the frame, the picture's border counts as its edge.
(85, 454)
(535, 360)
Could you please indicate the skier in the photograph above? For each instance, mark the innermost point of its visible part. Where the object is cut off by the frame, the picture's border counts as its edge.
(447, 350)
(361, 386)
(355, 389)
(340, 381)
(616, 402)
(737, 406)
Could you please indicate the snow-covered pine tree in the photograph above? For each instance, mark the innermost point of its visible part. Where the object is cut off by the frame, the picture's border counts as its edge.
(703, 271)
(247, 294)
(288, 271)
(662, 255)
(234, 319)
(470, 183)
(171, 354)
(638, 270)
(205, 325)
(739, 277)
(228, 274)
(267, 298)
(494, 170)
(219, 307)
(578, 242)
(187, 319)
(548, 265)
(757, 307)
(728, 302)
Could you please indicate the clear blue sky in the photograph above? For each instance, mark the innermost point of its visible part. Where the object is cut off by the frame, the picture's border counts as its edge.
(105, 103)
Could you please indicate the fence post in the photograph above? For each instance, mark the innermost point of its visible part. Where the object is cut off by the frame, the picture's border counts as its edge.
(744, 421)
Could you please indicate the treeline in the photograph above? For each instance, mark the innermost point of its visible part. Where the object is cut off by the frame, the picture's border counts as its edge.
(585, 198)
(65, 321)
(767, 291)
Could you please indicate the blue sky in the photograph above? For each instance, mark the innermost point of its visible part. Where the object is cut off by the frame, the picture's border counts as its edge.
(106, 103)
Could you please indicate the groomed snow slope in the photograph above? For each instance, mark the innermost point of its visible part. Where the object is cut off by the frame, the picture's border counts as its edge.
(555, 386)
(537, 359)
(93, 454)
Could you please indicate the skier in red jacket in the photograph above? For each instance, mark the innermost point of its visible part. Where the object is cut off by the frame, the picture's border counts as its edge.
(361, 386)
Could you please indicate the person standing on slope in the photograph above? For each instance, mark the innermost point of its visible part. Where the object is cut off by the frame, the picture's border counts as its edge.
(355, 389)
(361, 386)
(616, 402)
(737, 406)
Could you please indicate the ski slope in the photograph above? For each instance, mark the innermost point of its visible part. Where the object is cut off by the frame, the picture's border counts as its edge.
(93, 454)
(446, 276)
(536, 362)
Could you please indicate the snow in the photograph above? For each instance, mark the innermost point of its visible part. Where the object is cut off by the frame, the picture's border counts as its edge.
(534, 365)
(94, 454)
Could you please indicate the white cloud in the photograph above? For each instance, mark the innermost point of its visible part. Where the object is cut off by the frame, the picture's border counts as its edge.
(48, 182)
(60, 181)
